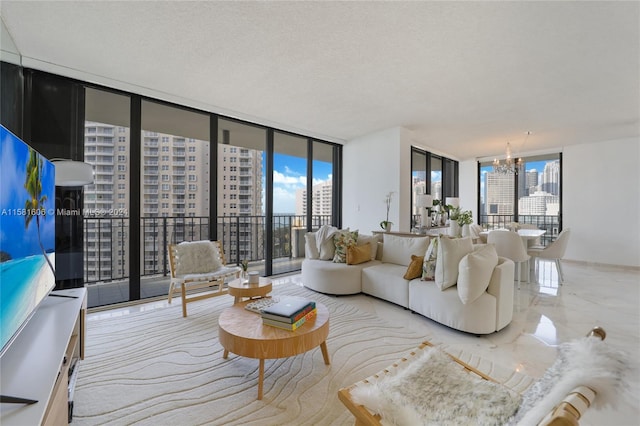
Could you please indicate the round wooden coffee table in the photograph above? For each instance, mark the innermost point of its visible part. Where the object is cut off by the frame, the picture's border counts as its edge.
(242, 332)
(240, 288)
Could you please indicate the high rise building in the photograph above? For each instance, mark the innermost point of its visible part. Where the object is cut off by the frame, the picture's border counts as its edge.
(550, 178)
(499, 190)
(531, 179)
(174, 200)
(322, 199)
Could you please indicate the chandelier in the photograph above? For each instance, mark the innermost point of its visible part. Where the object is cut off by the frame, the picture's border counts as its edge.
(510, 165)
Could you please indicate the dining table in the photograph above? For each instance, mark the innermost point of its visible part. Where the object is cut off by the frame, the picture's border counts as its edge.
(526, 235)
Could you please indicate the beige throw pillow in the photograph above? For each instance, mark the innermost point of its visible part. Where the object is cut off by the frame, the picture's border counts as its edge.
(474, 273)
(415, 268)
(358, 254)
(450, 253)
(372, 240)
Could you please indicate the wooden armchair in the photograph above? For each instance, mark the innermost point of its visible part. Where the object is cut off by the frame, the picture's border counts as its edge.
(198, 265)
(565, 411)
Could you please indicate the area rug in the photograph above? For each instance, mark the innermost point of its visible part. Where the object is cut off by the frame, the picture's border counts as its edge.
(157, 368)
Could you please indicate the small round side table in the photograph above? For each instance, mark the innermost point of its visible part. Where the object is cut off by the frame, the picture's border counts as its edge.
(240, 288)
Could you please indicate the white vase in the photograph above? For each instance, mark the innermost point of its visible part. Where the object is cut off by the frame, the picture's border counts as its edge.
(387, 227)
(466, 231)
(454, 229)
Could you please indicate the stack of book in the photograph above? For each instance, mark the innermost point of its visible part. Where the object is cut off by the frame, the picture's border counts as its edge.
(289, 313)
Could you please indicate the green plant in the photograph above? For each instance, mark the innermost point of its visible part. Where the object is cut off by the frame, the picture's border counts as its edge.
(244, 265)
(454, 212)
(465, 217)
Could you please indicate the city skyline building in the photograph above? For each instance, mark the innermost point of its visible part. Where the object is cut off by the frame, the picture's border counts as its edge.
(174, 198)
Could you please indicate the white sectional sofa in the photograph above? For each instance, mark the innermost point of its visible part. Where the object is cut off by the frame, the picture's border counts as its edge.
(486, 311)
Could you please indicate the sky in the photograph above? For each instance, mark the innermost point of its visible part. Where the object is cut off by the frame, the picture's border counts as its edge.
(14, 238)
(289, 175)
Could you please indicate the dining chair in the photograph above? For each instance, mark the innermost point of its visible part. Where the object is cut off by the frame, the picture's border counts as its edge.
(509, 244)
(554, 251)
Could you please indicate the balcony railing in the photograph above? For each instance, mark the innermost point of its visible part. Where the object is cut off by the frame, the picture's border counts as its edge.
(496, 221)
(551, 224)
(242, 237)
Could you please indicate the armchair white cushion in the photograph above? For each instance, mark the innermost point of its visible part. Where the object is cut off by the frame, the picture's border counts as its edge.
(197, 257)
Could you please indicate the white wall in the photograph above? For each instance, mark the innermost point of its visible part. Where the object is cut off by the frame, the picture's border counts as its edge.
(601, 201)
(373, 166)
(601, 192)
(468, 187)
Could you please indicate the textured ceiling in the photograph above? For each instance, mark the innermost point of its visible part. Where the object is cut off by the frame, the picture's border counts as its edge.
(464, 77)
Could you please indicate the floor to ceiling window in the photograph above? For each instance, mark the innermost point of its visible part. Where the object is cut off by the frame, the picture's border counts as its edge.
(241, 192)
(174, 176)
(290, 173)
(434, 175)
(322, 185)
(159, 180)
(106, 213)
(530, 194)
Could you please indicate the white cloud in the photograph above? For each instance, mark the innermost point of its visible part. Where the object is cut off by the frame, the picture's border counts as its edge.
(293, 181)
(284, 200)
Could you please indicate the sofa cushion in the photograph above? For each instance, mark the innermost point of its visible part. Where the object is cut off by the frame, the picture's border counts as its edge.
(474, 272)
(415, 268)
(373, 243)
(310, 246)
(197, 257)
(358, 254)
(450, 253)
(429, 261)
(398, 250)
(341, 241)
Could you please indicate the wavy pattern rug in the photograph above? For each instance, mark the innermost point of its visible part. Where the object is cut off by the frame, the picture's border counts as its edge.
(158, 368)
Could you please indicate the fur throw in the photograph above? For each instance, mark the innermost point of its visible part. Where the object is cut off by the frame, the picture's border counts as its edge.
(434, 390)
(583, 362)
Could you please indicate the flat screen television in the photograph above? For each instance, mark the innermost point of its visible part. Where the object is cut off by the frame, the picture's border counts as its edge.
(27, 233)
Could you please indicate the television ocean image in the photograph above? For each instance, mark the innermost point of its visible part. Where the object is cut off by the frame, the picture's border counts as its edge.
(27, 233)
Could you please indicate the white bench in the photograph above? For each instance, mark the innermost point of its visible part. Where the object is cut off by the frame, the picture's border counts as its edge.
(198, 265)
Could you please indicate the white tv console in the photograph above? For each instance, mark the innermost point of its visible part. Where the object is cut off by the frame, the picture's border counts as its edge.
(36, 365)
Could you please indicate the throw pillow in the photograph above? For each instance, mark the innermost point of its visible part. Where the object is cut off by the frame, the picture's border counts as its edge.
(415, 268)
(197, 257)
(429, 263)
(474, 273)
(450, 253)
(310, 246)
(373, 243)
(358, 254)
(341, 241)
(398, 250)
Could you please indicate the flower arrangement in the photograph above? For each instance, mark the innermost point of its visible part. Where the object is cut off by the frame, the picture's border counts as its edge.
(465, 217)
(244, 264)
(385, 223)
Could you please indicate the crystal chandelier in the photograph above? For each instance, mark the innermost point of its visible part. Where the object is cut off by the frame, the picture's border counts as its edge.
(509, 165)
